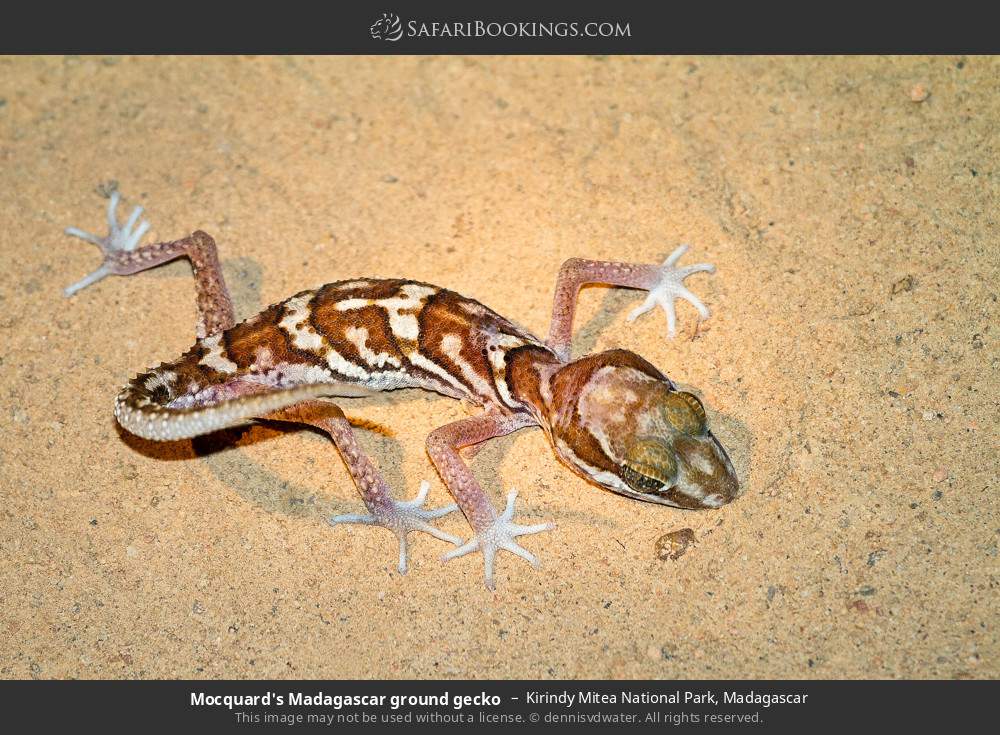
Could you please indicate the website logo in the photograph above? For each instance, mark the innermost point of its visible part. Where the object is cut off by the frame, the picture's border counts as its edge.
(387, 28)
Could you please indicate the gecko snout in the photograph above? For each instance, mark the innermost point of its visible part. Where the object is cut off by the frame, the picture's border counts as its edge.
(706, 475)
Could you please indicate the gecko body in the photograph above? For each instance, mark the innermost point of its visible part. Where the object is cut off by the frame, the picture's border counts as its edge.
(612, 417)
(348, 338)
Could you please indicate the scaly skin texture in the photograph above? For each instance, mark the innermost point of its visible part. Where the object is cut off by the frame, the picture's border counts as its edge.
(612, 417)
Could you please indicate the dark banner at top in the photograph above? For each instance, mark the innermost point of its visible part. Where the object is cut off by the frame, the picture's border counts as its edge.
(449, 27)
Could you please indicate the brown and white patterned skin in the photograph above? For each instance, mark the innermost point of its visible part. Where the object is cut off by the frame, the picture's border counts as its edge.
(611, 417)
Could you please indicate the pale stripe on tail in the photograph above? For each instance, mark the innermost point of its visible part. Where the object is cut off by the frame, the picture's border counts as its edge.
(144, 414)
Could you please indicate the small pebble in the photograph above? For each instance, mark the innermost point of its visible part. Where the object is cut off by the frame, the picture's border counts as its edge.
(919, 92)
(903, 285)
(675, 544)
(941, 474)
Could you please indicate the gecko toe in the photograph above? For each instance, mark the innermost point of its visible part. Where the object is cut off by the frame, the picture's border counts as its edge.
(120, 238)
(403, 517)
(670, 287)
(500, 535)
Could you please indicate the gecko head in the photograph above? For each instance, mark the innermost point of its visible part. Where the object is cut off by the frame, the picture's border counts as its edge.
(621, 423)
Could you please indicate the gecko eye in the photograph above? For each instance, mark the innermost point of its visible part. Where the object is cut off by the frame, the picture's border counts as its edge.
(649, 465)
(684, 412)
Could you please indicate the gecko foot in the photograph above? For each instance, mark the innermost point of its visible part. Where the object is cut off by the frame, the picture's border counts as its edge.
(500, 535)
(403, 516)
(669, 287)
(119, 238)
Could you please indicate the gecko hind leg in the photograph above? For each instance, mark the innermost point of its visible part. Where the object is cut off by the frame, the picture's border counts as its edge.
(120, 239)
(124, 257)
(399, 516)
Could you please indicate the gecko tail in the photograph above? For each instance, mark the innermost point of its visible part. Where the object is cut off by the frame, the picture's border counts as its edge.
(149, 408)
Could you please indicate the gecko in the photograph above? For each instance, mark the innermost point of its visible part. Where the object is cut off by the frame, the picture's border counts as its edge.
(611, 417)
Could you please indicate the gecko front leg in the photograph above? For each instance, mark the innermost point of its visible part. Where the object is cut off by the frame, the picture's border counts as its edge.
(399, 516)
(665, 283)
(492, 531)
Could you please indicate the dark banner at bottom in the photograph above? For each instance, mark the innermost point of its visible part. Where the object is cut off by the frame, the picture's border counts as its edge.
(707, 706)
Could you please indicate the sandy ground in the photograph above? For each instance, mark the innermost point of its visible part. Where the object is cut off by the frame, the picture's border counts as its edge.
(850, 365)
